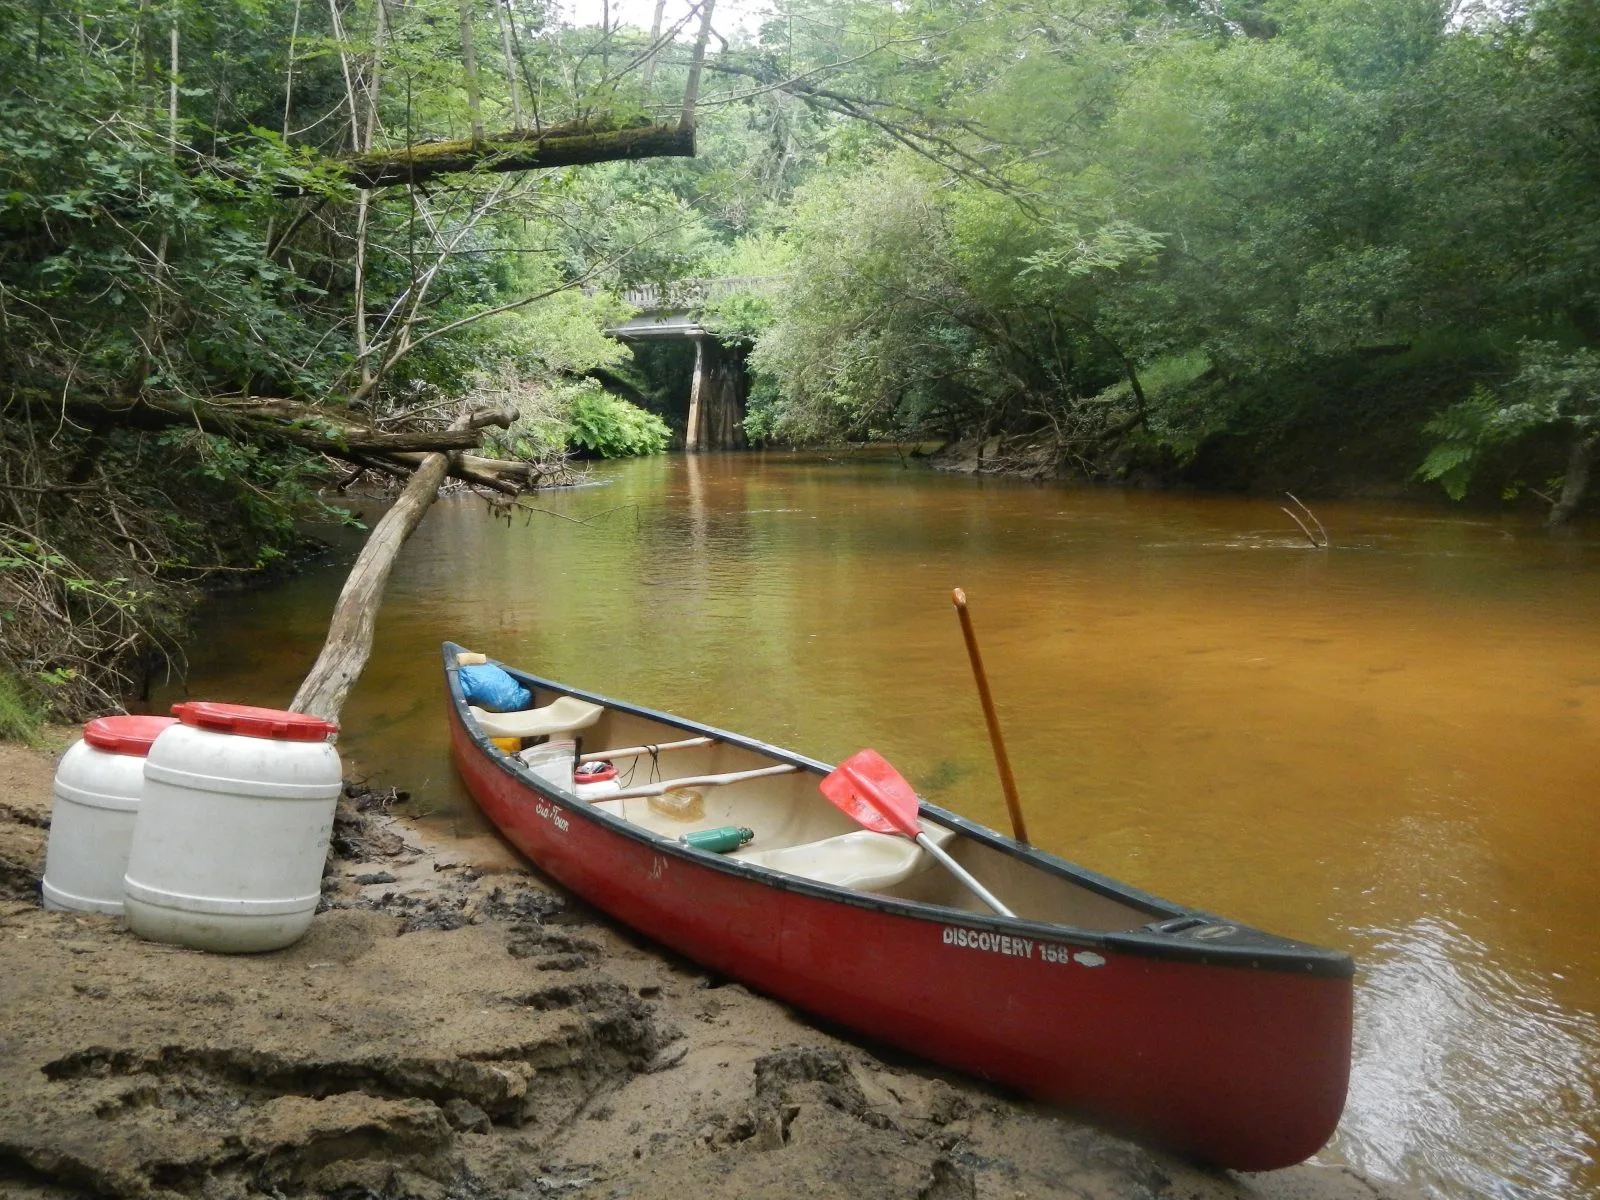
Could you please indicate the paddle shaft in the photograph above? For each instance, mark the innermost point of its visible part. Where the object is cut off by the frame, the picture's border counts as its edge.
(1008, 784)
(893, 809)
(667, 785)
(637, 751)
(964, 875)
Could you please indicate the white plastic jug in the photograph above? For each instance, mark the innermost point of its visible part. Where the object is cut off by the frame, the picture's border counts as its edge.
(233, 830)
(97, 789)
(552, 761)
(596, 780)
(597, 791)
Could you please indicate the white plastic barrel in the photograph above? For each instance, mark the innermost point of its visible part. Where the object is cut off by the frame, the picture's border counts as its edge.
(97, 789)
(233, 830)
(596, 781)
(597, 791)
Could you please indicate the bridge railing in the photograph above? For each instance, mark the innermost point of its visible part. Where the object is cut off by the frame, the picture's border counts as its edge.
(686, 294)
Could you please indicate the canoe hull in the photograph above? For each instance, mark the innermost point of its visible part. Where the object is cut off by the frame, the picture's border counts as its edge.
(1244, 1068)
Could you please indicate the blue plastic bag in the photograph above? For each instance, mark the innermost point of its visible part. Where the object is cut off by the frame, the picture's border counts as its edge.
(491, 688)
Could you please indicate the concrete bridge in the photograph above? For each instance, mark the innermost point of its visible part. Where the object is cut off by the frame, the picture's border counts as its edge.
(673, 311)
(721, 385)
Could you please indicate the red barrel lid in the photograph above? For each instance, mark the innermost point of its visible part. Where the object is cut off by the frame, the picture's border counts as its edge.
(249, 721)
(594, 772)
(125, 735)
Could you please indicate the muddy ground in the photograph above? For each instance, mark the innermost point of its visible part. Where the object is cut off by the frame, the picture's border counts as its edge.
(453, 1028)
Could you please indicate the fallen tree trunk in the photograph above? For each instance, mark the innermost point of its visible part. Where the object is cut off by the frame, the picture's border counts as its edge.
(396, 454)
(372, 440)
(323, 430)
(573, 144)
(355, 616)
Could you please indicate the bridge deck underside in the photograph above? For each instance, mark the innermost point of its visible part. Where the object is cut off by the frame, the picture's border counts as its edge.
(658, 325)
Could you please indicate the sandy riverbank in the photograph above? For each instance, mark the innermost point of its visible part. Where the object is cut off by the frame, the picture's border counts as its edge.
(454, 1028)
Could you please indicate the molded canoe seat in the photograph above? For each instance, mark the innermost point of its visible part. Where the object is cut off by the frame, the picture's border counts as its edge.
(863, 860)
(562, 715)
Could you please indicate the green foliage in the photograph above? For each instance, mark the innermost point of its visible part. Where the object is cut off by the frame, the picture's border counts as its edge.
(547, 350)
(1465, 431)
(21, 717)
(602, 424)
(561, 335)
(755, 266)
(1270, 189)
(157, 256)
(912, 307)
(1556, 389)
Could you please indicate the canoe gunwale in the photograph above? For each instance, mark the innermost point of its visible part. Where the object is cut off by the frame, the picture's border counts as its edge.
(1269, 953)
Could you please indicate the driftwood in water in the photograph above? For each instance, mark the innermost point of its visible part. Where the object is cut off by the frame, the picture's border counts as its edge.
(1310, 537)
(355, 616)
(500, 475)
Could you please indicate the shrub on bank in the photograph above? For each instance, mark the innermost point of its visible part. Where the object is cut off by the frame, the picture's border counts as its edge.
(20, 717)
(608, 426)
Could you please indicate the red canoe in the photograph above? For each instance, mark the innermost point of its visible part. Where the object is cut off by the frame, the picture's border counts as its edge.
(1212, 1038)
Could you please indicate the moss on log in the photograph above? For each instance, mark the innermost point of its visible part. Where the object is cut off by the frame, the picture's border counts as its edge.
(572, 144)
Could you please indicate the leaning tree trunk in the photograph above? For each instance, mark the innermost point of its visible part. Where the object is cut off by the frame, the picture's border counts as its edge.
(355, 617)
(1576, 483)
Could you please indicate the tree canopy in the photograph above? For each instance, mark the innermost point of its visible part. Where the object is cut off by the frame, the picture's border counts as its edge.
(1151, 228)
(252, 249)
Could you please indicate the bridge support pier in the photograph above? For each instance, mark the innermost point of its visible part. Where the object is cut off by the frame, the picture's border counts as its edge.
(693, 433)
(716, 399)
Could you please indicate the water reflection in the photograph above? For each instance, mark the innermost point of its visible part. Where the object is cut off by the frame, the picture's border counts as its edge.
(1389, 746)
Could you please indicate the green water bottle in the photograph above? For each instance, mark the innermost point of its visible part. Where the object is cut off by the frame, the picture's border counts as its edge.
(720, 840)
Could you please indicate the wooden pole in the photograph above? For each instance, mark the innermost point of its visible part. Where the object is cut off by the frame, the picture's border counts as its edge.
(1008, 784)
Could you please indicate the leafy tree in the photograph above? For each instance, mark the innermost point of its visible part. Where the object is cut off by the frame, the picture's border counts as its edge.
(1023, 216)
(238, 243)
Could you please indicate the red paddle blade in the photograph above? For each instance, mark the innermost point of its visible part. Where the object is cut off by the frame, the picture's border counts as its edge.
(868, 790)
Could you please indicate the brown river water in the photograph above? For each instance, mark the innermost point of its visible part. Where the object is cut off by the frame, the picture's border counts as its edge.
(1389, 746)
